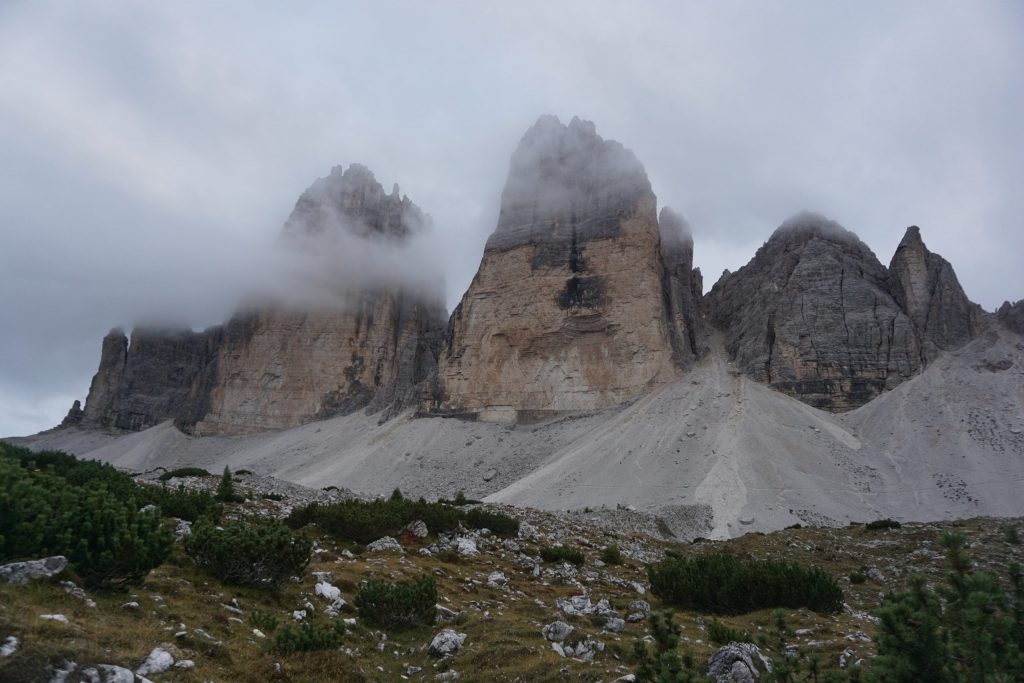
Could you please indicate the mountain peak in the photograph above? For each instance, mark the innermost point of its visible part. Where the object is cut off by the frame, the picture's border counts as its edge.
(351, 202)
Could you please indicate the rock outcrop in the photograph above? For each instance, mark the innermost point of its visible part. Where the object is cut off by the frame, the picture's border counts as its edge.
(281, 365)
(571, 308)
(1012, 316)
(816, 316)
(812, 316)
(927, 289)
(149, 380)
(683, 289)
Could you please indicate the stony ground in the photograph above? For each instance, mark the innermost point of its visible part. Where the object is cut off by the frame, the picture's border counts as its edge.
(501, 597)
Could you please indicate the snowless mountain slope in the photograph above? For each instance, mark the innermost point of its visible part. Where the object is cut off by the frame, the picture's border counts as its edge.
(714, 447)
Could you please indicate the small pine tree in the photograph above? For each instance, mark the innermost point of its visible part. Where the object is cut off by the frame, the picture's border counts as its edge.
(226, 488)
(396, 495)
(971, 629)
(664, 664)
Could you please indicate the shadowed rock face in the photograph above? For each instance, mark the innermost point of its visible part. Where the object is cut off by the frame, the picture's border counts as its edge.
(280, 367)
(815, 315)
(141, 384)
(926, 287)
(683, 289)
(569, 309)
(1012, 316)
(812, 316)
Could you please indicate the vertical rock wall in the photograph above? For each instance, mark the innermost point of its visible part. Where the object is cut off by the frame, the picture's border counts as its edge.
(567, 311)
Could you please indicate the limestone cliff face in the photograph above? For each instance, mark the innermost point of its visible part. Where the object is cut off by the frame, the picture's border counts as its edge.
(812, 316)
(568, 310)
(926, 287)
(280, 366)
(283, 368)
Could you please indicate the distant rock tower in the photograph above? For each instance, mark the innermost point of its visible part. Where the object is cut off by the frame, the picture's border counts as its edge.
(277, 366)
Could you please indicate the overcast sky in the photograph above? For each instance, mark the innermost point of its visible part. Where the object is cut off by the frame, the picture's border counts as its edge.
(149, 152)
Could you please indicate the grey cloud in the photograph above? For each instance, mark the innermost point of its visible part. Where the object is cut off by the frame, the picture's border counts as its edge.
(152, 152)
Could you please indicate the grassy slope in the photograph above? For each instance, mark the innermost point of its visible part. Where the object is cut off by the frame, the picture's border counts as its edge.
(503, 624)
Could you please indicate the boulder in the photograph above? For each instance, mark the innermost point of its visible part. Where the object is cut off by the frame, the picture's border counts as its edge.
(445, 643)
(20, 573)
(386, 544)
(738, 663)
(466, 546)
(557, 631)
(158, 661)
(416, 528)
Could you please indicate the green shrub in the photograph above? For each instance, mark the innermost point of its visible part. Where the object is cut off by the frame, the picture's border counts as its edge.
(664, 663)
(969, 629)
(397, 494)
(264, 621)
(180, 502)
(499, 523)
(857, 578)
(184, 472)
(723, 584)
(460, 498)
(612, 555)
(309, 637)
(366, 521)
(255, 552)
(1011, 535)
(272, 496)
(561, 553)
(83, 510)
(395, 606)
(720, 634)
(882, 524)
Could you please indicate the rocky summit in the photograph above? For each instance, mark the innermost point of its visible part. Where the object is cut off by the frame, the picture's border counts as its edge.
(282, 365)
(816, 316)
(575, 306)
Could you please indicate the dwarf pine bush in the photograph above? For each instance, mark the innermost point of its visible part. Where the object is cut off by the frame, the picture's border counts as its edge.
(309, 637)
(723, 584)
(562, 553)
(401, 605)
(612, 555)
(881, 524)
(499, 523)
(53, 504)
(253, 552)
(180, 502)
(366, 521)
(184, 472)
